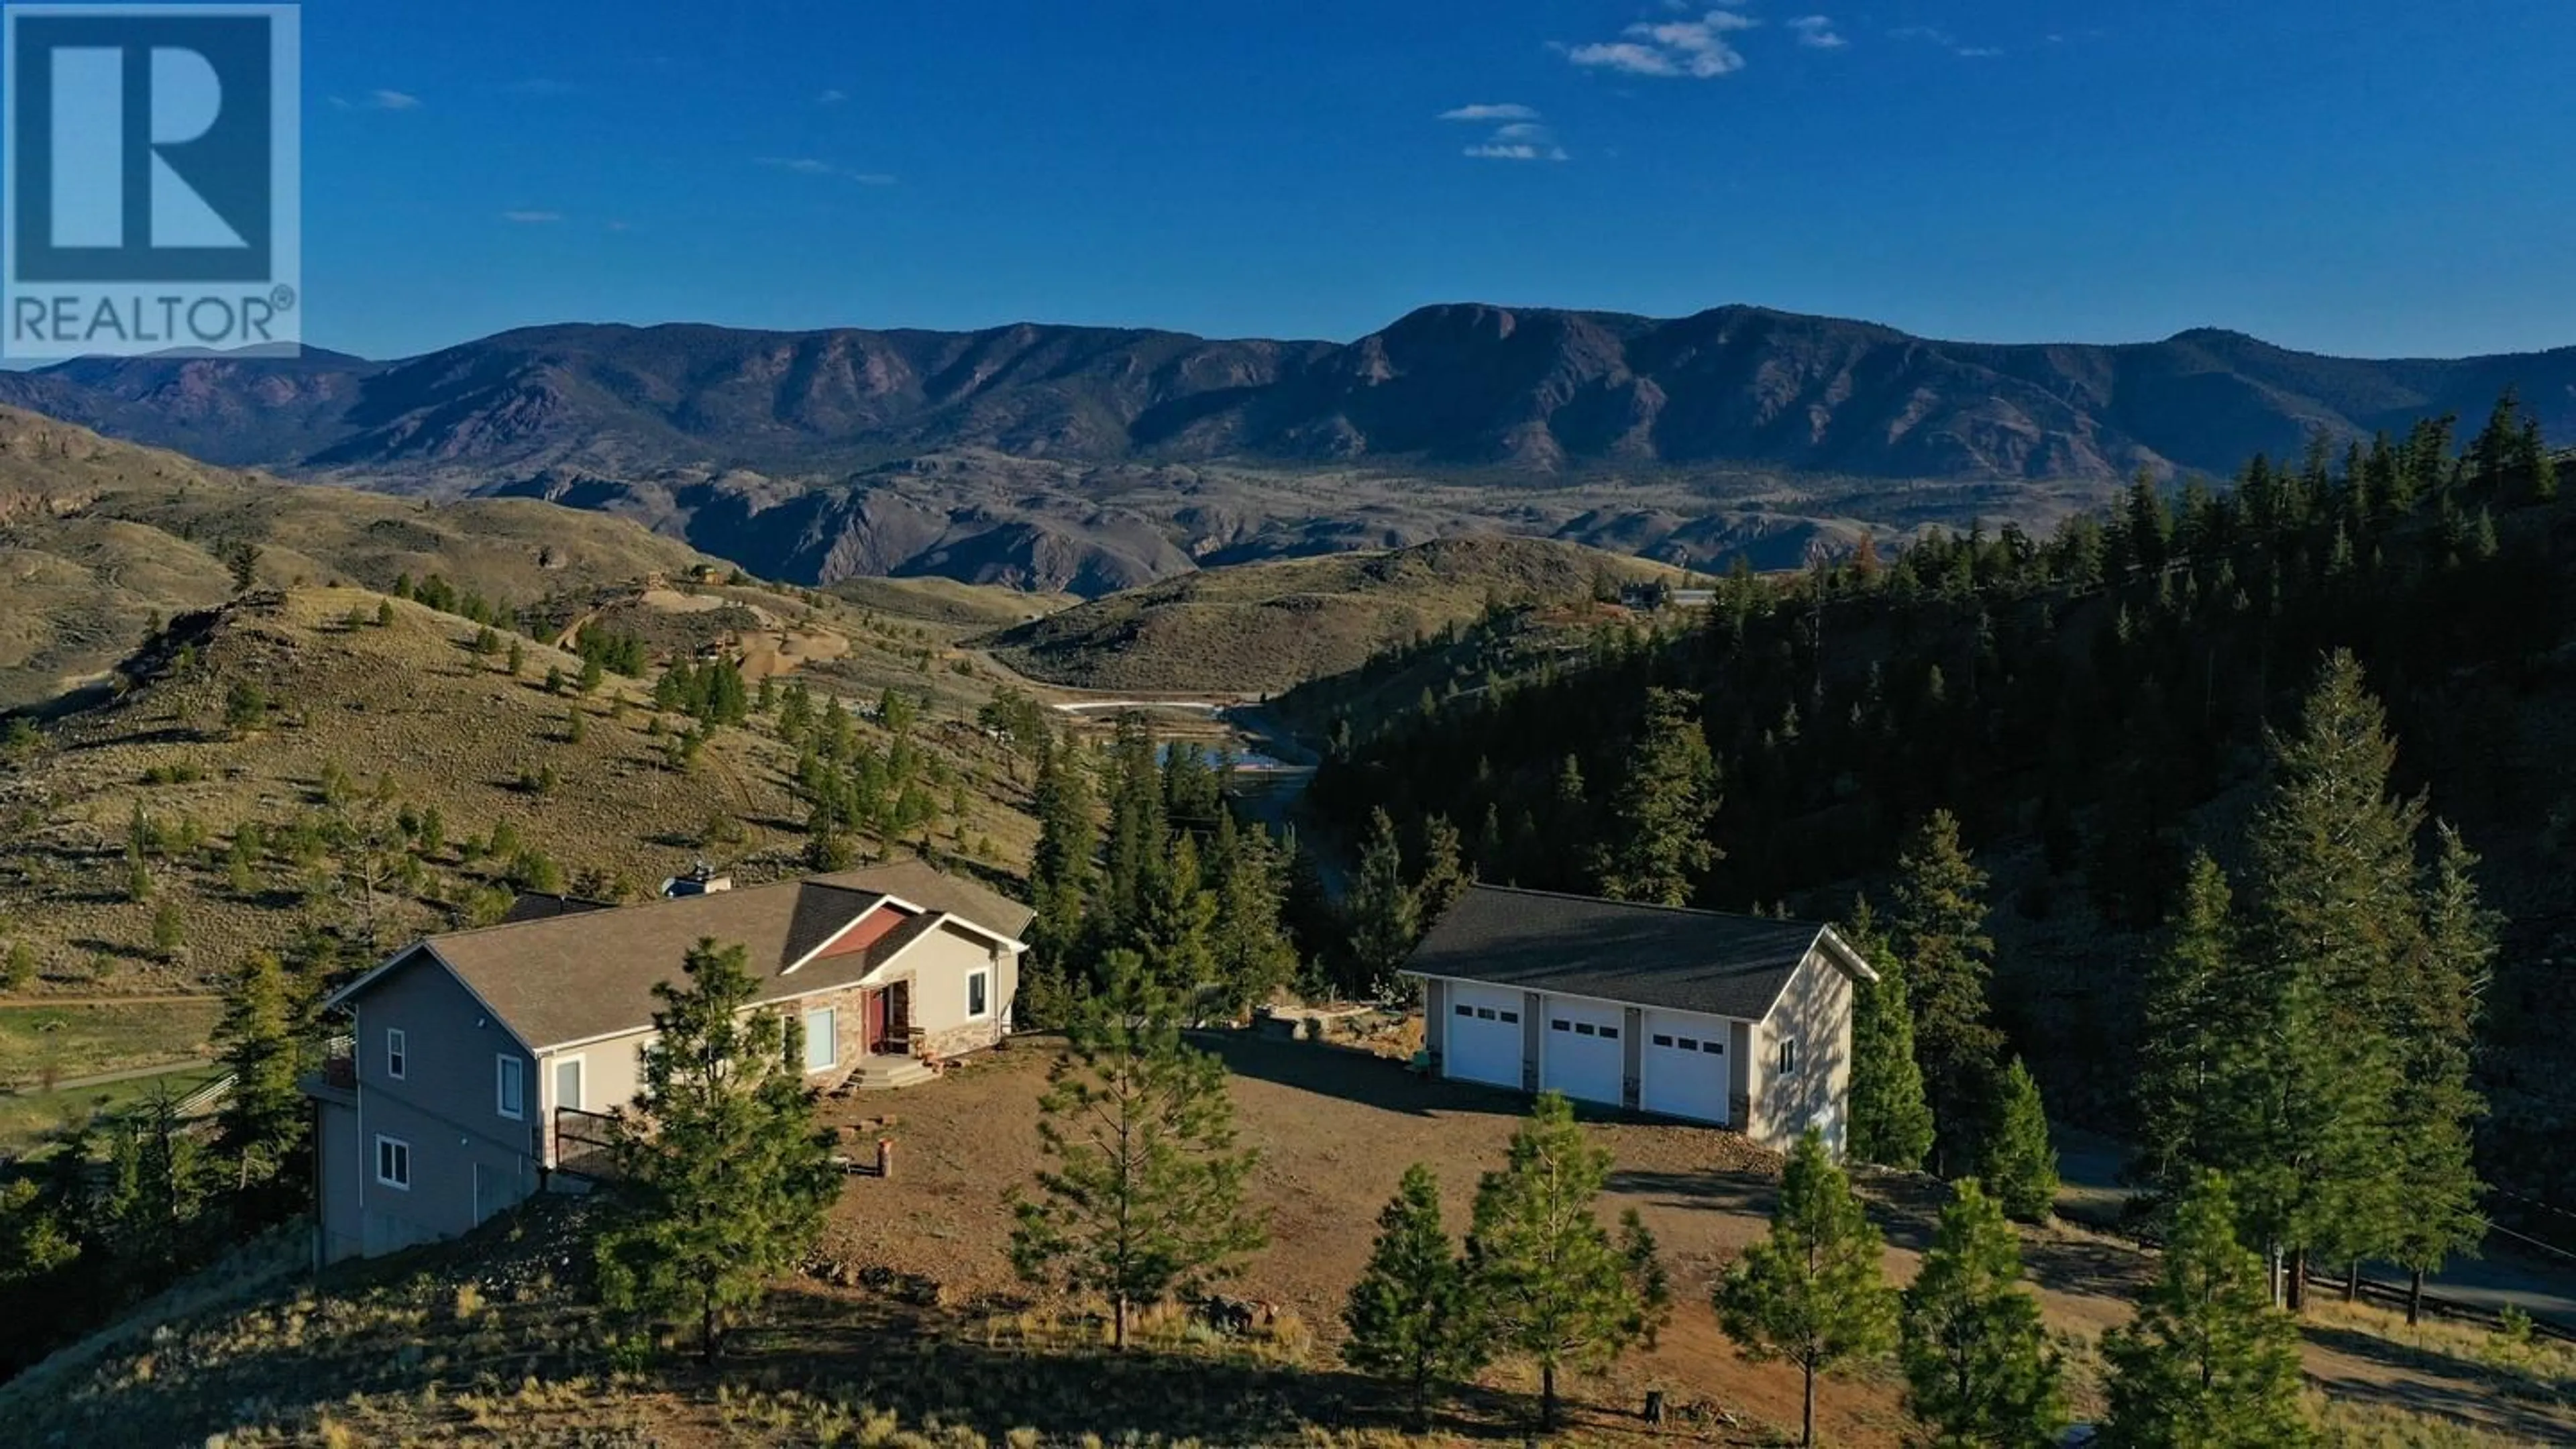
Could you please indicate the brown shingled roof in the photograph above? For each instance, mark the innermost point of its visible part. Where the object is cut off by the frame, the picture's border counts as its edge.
(575, 977)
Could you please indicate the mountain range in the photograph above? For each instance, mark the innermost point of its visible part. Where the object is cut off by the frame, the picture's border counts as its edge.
(1095, 458)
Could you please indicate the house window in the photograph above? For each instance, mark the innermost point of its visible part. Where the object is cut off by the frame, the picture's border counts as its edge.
(397, 1052)
(511, 1091)
(979, 994)
(393, 1162)
(1788, 1056)
(822, 1039)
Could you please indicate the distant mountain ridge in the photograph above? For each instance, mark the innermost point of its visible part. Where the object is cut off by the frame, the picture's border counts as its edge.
(1092, 459)
(1539, 390)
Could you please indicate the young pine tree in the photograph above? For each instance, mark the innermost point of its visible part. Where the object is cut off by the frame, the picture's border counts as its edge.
(1145, 1197)
(262, 1125)
(1410, 1315)
(2016, 1157)
(1176, 912)
(2438, 1103)
(726, 1177)
(2208, 1363)
(1659, 846)
(1979, 1372)
(1941, 941)
(1813, 1292)
(1060, 873)
(1248, 943)
(1891, 1122)
(1385, 918)
(2335, 931)
(2192, 1079)
(1548, 1281)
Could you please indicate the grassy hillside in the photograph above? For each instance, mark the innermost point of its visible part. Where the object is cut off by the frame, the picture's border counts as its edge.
(99, 538)
(948, 602)
(1266, 627)
(250, 834)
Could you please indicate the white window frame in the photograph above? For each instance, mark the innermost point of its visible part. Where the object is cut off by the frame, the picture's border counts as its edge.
(554, 1078)
(1788, 1064)
(397, 1053)
(400, 1184)
(831, 1039)
(508, 1069)
(985, 975)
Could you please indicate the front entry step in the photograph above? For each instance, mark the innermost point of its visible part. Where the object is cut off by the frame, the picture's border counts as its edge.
(882, 1073)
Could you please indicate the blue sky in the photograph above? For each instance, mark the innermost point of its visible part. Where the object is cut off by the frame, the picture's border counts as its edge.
(2350, 176)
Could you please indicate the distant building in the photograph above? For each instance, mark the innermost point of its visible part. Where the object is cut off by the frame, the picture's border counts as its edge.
(483, 1060)
(1736, 1021)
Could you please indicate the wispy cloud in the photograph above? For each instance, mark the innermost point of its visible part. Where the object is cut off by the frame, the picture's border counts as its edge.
(1934, 35)
(813, 166)
(1670, 48)
(832, 97)
(1816, 32)
(1519, 136)
(532, 218)
(378, 100)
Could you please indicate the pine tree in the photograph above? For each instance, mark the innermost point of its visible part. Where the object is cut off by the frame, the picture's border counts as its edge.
(2438, 1103)
(725, 1176)
(1659, 846)
(2194, 1083)
(1549, 1282)
(2208, 1363)
(2016, 1156)
(262, 1126)
(1410, 1315)
(1941, 942)
(1247, 944)
(1138, 834)
(1812, 1292)
(1145, 1197)
(1890, 1121)
(2543, 465)
(1175, 914)
(2334, 932)
(1385, 919)
(1444, 875)
(1979, 1371)
(1061, 872)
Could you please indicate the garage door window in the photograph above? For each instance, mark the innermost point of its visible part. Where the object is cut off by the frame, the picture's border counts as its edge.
(1560, 1024)
(1512, 1018)
(1466, 1010)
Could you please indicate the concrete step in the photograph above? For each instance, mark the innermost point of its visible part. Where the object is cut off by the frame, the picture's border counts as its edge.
(884, 1073)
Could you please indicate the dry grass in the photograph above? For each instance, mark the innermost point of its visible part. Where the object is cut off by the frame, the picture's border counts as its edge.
(41, 1045)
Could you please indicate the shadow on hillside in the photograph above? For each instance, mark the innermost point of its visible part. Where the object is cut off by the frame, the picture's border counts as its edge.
(920, 1365)
(1726, 1192)
(1351, 1075)
(2430, 1383)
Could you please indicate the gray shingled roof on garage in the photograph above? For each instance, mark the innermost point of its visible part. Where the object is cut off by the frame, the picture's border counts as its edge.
(577, 976)
(1641, 955)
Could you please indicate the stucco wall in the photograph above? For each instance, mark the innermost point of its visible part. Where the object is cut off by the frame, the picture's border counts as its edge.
(445, 1106)
(1815, 1009)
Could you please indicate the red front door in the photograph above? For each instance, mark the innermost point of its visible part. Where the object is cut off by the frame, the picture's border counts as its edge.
(875, 1009)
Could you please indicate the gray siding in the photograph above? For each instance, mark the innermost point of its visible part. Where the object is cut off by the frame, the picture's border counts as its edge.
(467, 1159)
(335, 1186)
(1815, 1010)
(1435, 1021)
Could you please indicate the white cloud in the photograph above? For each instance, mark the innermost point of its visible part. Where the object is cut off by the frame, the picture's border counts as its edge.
(1944, 39)
(810, 166)
(1504, 111)
(1518, 137)
(1516, 151)
(1694, 48)
(1816, 32)
(532, 218)
(831, 97)
(382, 100)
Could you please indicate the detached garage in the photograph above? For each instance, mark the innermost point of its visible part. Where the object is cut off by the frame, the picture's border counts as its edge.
(1735, 1021)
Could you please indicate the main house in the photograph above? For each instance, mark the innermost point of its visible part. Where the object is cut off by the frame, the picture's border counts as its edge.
(1738, 1021)
(481, 1060)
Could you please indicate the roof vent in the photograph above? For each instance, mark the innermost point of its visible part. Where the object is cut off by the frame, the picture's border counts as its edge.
(701, 880)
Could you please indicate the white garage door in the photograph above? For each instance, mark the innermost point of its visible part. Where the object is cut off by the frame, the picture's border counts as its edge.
(1484, 1043)
(1580, 1053)
(1682, 1070)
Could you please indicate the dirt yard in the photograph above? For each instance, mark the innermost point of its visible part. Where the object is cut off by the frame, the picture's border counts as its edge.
(1337, 1129)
